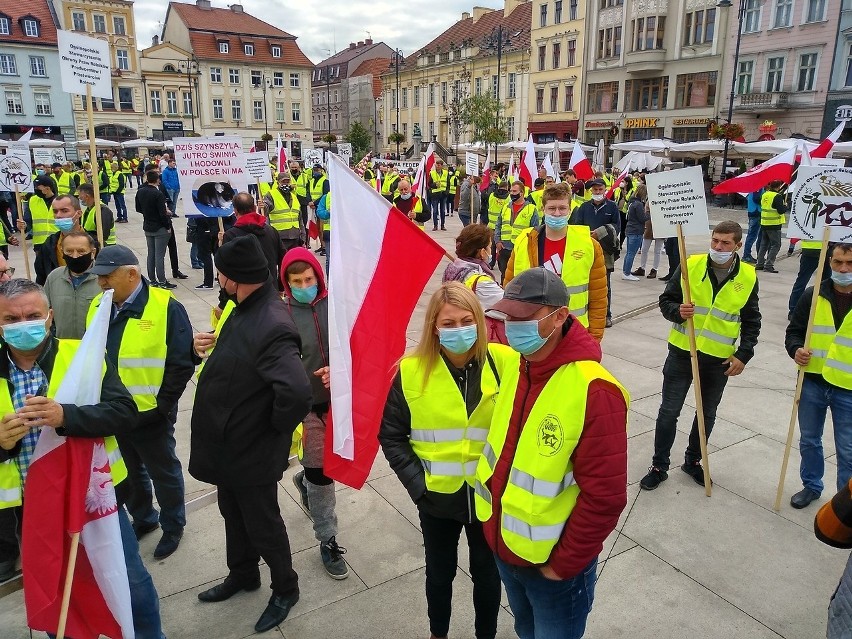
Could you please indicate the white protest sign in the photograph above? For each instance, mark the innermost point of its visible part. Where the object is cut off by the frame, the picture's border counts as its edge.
(471, 163)
(677, 198)
(213, 170)
(16, 169)
(311, 157)
(49, 156)
(828, 161)
(257, 167)
(84, 61)
(344, 150)
(823, 196)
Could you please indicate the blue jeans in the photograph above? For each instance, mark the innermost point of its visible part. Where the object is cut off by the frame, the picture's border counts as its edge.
(193, 255)
(752, 235)
(817, 397)
(143, 595)
(173, 196)
(547, 609)
(120, 206)
(808, 262)
(634, 243)
(438, 202)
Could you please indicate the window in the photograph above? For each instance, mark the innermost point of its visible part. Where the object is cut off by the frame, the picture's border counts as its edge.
(572, 9)
(122, 59)
(404, 98)
(554, 99)
(569, 98)
(276, 51)
(187, 103)
(279, 111)
(611, 3)
(602, 97)
(100, 23)
(42, 102)
(296, 112)
(257, 110)
(431, 130)
(216, 75)
(5, 26)
(495, 86)
(774, 73)
(510, 127)
(295, 81)
(648, 33)
(557, 12)
(224, 47)
(37, 68)
(609, 42)
(807, 72)
(394, 104)
(745, 74)
(125, 98)
(156, 102)
(8, 66)
(336, 100)
(443, 92)
(430, 59)
(256, 78)
(572, 53)
(277, 79)
(751, 16)
(849, 66)
(248, 49)
(644, 95)
(683, 134)
(457, 54)
(14, 105)
(477, 83)
(542, 20)
(457, 90)
(431, 94)
(169, 68)
(234, 76)
(79, 20)
(695, 90)
(542, 57)
(557, 53)
(783, 14)
(118, 25)
(699, 27)
(31, 28)
(236, 110)
(513, 85)
(539, 100)
(218, 111)
(417, 96)
(171, 102)
(107, 104)
(445, 56)
(816, 11)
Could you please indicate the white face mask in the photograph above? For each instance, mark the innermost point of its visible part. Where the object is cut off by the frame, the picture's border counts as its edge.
(720, 257)
(598, 197)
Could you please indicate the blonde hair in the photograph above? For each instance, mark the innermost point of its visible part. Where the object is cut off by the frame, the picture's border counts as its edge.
(457, 294)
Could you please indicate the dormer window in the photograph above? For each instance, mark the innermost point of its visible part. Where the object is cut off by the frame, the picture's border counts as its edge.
(169, 68)
(31, 27)
(224, 47)
(276, 51)
(249, 49)
(5, 26)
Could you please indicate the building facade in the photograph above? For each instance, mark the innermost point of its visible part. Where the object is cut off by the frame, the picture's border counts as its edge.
(170, 77)
(29, 73)
(253, 79)
(838, 104)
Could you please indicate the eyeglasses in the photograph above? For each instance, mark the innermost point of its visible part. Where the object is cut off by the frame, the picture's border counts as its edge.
(8, 271)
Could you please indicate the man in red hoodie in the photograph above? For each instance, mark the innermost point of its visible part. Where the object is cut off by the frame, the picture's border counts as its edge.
(552, 480)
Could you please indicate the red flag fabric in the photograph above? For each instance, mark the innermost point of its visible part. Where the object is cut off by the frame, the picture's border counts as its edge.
(421, 178)
(313, 224)
(528, 173)
(778, 168)
(281, 163)
(618, 181)
(580, 163)
(828, 143)
(486, 175)
(381, 262)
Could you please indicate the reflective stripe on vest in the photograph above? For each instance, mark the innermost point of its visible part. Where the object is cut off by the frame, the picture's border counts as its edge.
(810, 244)
(90, 224)
(576, 271)
(717, 321)
(495, 207)
(43, 224)
(768, 215)
(439, 181)
(831, 354)
(284, 216)
(510, 229)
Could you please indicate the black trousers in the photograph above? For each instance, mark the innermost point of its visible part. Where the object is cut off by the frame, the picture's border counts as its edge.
(672, 253)
(10, 533)
(441, 542)
(254, 529)
(173, 254)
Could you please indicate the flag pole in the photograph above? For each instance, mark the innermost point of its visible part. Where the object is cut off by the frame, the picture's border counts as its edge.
(693, 356)
(99, 225)
(794, 413)
(69, 579)
(20, 206)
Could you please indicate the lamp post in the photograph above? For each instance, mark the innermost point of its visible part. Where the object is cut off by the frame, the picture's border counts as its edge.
(397, 57)
(498, 39)
(727, 4)
(264, 84)
(190, 65)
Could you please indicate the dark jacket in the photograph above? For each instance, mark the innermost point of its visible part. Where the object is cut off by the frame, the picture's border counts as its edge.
(636, 217)
(794, 338)
(270, 241)
(588, 214)
(672, 298)
(115, 414)
(107, 222)
(152, 205)
(251, 395)
(46, 259)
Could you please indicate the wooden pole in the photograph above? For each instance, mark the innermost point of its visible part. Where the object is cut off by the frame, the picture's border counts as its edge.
(20, 206)
(693, 356)
(99, 224)
(69, 579)
(794, 413)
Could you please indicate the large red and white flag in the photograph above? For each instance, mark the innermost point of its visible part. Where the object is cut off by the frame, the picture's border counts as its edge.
(313, 224)
(380, 264)
(580, 164)
(424, 169)
(69, 490)
(618, 181)
(511, 173)
(527, 171)
(778, 168)
(281, 163)
(824, 148)
(486, 174)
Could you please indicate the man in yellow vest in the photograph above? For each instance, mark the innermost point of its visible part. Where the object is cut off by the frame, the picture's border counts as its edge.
(452, 190)
(66, 181)
(828, 374)
(32, 365)
(411, 204)
(117, 187)
(725, 311)
(808, 264)
(44, 192)
(548, 494)
(66, 215)
(517, 215)
(438, 183)
(88, 222)
(150, 342)
(772, 210)
(283, 208)
(299, 180)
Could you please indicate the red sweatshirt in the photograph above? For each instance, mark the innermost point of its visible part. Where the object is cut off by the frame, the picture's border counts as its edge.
(600, 459)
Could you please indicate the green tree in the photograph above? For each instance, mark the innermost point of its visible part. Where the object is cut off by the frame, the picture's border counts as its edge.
(481, 114)
(359, 138)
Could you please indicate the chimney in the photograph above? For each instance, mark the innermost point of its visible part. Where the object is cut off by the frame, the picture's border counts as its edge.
(351, 45)
(465, 15)
(155, 41)
(203, 4)
(238, 8)
(368, 41)
(360, 43)
(510, 5)
(478, 12)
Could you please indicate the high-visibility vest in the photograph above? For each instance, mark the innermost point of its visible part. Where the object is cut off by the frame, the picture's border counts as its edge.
(325, 225)
(315, 187)
(284, 216)
(453, 183)
(217, 325)
(389, 183)
(509, 230)
(536, 197)
(416, 208)
(717, 320)
(64, 183)
(831, 348)
(300, 183)
(576, 266)
(81, 176)
(104, 182)
(810, 244)
(115, 185)
(10, 478)
(264, 188)
(447, 441)
(541, 492)
(108, 167)
(43, 224)
(90, 225)
(126, 168)
(439, 181)
(768, 215)
(143, 349)
(495, 207)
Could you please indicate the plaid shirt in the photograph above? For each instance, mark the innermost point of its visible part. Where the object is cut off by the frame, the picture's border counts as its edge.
(31, 382)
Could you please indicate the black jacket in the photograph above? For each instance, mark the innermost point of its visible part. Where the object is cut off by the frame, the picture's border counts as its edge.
(152, 205)
(251, 395)
(672, 298)
(107, 222)
(115, 414)
(794, 338)
(45, 257)
(270, 242)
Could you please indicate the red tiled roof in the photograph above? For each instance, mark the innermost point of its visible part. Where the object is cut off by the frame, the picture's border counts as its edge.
(206, 47)
(224, 21)
(375, 67)
(38, 9)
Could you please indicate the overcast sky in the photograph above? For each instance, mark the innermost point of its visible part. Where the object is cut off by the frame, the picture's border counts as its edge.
(331, 25)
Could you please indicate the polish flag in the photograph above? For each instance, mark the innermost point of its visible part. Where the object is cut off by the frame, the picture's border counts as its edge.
(378, 181)
(313, 224)
(824, 148)
(486, 175)
(528, 173)
(381, 262)
(580, 163)
(510, 174)
(547, 165)
(618, 181)
(281, 163)
(252, 149)
(69, 490)
(778, 168)
(421, 178)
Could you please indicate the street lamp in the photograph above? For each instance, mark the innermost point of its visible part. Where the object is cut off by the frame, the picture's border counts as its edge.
(190, 66)
(265, 83)
(727, 4)
(397, 58)
(497, 39)
(328, 100)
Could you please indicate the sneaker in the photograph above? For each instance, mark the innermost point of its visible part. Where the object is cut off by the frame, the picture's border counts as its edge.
(332, 559)
(694, 470)
(629, 278)
(167, 284)
(654, 478)
(758, 267)
(204, 286)
(769, 269)
(748, 259)
(652, 274)
(154, 283)
(299, 482)
(639, 272)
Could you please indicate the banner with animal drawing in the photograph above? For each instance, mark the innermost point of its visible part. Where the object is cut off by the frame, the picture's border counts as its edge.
(16, 169)
(211, 171)
(823, 196)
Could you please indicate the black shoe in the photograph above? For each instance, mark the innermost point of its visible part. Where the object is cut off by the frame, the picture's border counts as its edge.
(770, 269)
(332, 559)
(168, 544)
(141, 529)
(639, 272)
(654, 478)
(443, 229)
(652, 274)
(803, 498)
(434, 228)
(748, 259)
(7, 570)
(666, 278)
(180, 276)
(276, 612)
(299, 482)
(197, 267)
(758, 267)
(608, 322)
(321, 251)
(204, 286)
(694, 470)
(167, 284)
(318, 250)
(227, 589)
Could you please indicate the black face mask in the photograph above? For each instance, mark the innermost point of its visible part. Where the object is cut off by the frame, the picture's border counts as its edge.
(79, 264)
(502, 193)
(515, 197)
(285, 188)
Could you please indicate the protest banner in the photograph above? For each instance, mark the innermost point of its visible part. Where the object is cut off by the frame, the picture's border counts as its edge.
(344, 150)
(471, 163)
(311, 157)
(84, 62)
(213, 171)
(49, 156)
(823, 196)
(257, 167)
(16, 169)
(677, 201)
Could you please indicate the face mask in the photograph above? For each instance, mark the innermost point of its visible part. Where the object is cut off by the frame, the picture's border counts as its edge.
(841, 279)
(598, 197)
(25, 336)
(405, 196)
(554, 222)
(523, 335)
(502, 193)
(458, 340)
(316, 175)
(515, 197)
(720, 257)
(64, 223)
(39, 171)
(78, 264)
(285, 188)
(305, 295)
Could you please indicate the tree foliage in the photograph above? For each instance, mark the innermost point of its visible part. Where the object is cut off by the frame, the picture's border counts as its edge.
(359, 138)
(481, 114)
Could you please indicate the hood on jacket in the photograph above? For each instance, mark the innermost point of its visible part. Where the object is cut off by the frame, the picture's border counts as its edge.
(577, 344)
(251, 222)
(301, 254)
(458, 271)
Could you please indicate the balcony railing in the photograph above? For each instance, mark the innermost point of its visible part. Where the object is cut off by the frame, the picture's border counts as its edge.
(771, 100)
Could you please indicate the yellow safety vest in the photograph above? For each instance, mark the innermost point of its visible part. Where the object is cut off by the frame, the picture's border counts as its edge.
(114, 183)
(264, 188)
(104, 182)
(447, 441)
(495, 207)
(11, 489)
(126, 168)
(81, 177)
(316, 187)
(831, 354)
(284, 216)
(768, 215)
(65, 183)
(43, 224)
(300, 184)
(810, 244)
(90, 224)
(717, 321)
(537, 198)
(439, 180)
(417, 208)
(541, 491)
(575, 274)
(217, 325)
(510, 230)
(142, 353)
(389, 183)
(453, 183)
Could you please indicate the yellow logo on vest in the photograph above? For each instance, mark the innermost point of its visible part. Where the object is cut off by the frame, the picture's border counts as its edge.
(145, 325)
(738, 286)
(578, 255)
(550, 437)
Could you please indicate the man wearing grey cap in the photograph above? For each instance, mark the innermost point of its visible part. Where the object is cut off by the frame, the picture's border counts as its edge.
(552, 479)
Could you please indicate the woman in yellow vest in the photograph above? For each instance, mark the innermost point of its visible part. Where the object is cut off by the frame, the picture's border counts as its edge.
(434, 427)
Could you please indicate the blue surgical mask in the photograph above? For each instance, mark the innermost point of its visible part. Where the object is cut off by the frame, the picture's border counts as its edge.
(523, 335)
(458, 340)
(555, 222)
(305, 295)
(841, 279)
(25, 336)
(64, 224)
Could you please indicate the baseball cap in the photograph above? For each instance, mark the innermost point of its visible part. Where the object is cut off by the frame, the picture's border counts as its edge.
(111, 257)
(529, 291)
(595, 182)
(45, 180)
